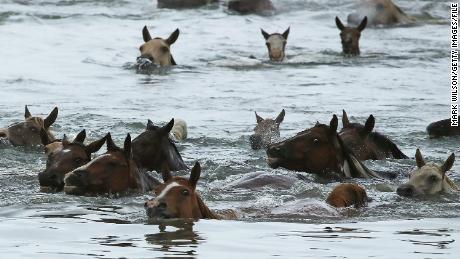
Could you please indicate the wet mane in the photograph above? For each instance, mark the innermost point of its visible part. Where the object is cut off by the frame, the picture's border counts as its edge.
(205, 211)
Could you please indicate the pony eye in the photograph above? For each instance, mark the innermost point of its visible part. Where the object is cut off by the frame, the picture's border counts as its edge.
(433, 178)
(185, 192)
(315, 141)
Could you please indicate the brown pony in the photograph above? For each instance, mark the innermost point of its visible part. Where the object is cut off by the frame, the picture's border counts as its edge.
(158, 50)
(380, 12)
(153, 147)
(114, 172)
(428, 178)
(367, 144)
(318, 150)
(267, 131)
(350, 36)
(178, 4)
(442, 128)
(27, 133)
(64, 158)
(276, 44)
(177, 198)
(262, 7)
(347, 194)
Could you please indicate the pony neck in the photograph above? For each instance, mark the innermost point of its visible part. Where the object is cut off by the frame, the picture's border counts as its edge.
(205, 212)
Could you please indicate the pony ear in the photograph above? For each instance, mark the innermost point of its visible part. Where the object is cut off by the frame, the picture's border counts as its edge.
(168, 127)
(280, 117)
(173, 37)
(80, 137)
(345, 121)
(369, 126)
(127, 147)
(48, 121)
(44, 137)
(258, 118)
(449, 163)
(317, 123)
(96, 145)
(27, 113)
(334, 124)
(150, 125)
(195, 175)
(419, 159)
(166, 172)
(363, 24)
(286, 33)
(110, 144)
(339, 24)
(146, 34)
(265, 34)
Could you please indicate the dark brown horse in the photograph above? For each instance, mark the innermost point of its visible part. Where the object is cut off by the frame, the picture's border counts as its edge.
(114, 172)
(27, 133)
(64, 158)
(442, 128)
(153, 147)
(267, 131)
(177, 198)
(346, 195)
(350, 36)
(158, 50)
(179, 4)
(262, 7)
(276, 44)
(366, 143)
(380, 12)
(318, 150)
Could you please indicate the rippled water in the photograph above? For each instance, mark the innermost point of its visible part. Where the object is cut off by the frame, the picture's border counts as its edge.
(79, 56)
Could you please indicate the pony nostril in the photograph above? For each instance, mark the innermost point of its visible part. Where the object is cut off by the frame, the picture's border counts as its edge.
(146, 204)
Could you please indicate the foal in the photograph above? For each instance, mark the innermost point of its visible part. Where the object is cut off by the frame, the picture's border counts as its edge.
(318, 150)
(380, 12)
(350, 36)
(110, 173)
(158, 50)
(27, 133)
(347, 194)
(442, 128)
(276, 44)
(428, 178)
(266, 132)
(63, 157)
(177, 198)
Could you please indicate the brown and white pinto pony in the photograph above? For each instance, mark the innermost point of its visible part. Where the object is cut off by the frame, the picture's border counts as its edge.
(261, 7)
(428, 178)
(366, 143)
(442, 128)
(27, 133)
(346, 195)
(114, 172)
(267, 131)
(379, 12)
(64, 156)
(158, 50)
(177, 198)
(350, 36)
(276, 44)
(318, 150)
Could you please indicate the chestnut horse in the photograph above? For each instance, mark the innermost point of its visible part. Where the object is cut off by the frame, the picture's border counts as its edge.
(380, 12)
(276, 44)
(428, 178)
(158, 50)
(177, 198)
(346, 195)
(262, 7)
(63, 157)
(153, 147)
(267, 131)
(27, 133)
(367, 144)
(318, 150)
(178, 4)
(114, 172)
(442, 128)
(350, 36)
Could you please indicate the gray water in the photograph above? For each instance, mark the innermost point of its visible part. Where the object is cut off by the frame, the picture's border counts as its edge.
(80, 56)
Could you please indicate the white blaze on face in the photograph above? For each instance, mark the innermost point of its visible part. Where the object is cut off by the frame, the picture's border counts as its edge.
(165, 191)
